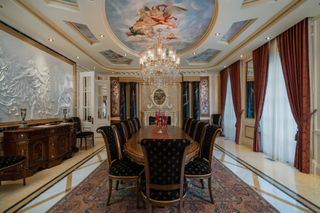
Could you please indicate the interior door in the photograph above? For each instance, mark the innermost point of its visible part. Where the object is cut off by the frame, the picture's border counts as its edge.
(102, 109)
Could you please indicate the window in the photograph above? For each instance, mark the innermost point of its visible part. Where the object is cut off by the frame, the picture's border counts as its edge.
(249, 90)
(278, 127)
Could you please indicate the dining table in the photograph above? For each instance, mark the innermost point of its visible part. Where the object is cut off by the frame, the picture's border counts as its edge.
(133, 149)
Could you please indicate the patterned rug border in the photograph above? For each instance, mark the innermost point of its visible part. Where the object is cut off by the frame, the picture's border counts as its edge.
(93, 173)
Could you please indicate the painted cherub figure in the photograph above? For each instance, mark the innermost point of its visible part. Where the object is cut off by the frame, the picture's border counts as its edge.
(158, 15)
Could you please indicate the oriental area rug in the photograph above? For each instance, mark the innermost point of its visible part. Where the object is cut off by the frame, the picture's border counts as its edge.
(230, 194)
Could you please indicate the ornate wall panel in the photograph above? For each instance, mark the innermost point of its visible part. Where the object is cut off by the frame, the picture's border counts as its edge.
(204, 96)
(115, 97)
(196, 99)
(33, 77)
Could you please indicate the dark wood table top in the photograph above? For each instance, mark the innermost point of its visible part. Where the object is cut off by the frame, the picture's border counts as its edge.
(133, 148)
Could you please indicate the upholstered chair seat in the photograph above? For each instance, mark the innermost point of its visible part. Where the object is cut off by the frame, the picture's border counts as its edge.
(12, 164)
(198, 166)
(125, 167)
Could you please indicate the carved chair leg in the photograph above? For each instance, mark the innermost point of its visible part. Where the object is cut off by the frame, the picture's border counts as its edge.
(117, 185)
(92, 140)
(202, 184)
(85, 143)
(138, 190)
(109, 193)
(210, 191)
(149, 207)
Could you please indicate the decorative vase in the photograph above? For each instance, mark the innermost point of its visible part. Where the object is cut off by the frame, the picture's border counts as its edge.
(23, 113)
(65, 111)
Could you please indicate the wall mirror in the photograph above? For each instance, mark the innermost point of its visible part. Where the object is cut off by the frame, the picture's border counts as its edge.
(159, 97)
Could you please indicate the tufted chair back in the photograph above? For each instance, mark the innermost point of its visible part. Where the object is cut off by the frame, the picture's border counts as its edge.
(194, 129)
(164, 163)
(127, 129)
(112, 146)
(120, 134)
(207, 143)
(137, 123)
(132, 126)
(186, 124)
(199, 131)
(192, 126)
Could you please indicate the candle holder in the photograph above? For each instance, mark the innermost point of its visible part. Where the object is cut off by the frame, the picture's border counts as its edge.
(23, 113)
(64, 112)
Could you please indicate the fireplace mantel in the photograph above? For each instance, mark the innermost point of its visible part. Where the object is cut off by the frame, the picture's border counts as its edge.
(147, 114)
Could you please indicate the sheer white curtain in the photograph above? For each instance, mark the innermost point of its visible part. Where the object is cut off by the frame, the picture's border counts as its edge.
(229, 117)
(278, 127)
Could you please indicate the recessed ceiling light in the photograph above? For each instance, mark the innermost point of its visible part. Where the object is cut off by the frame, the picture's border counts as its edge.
(125, 54)
(224, 66)
(78, 57)
(194, 53)
(51, 39)
(241, 56)
(94, 67)
(101, 36)
(268, 38)
(217, 34)
(112, 72)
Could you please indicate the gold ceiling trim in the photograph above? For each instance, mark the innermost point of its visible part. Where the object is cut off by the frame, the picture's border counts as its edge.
(277, 17)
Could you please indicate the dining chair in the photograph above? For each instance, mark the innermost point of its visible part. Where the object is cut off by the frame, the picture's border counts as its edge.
(120, 137)
(82, 134)
(13, 165)
(193, 130)
(137, 123)
(132, 126)
(192, 126)
(200, 167)
(127, 129)
(186, 124)
(199, 131)
(164, 183)
(120, 169)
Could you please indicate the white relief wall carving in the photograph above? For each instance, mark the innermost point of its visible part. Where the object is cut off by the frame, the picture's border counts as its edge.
(34, 79)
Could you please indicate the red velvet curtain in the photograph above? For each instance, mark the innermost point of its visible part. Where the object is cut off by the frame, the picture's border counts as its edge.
(293, 49)
(260, 67)
(223, 88)
(236, 95)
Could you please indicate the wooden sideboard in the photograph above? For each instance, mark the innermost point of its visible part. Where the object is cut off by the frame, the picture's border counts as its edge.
(44, 146)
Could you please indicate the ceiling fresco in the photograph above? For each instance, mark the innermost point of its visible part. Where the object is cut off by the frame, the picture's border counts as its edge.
(182, 23)
(204, 57)
(115, 58)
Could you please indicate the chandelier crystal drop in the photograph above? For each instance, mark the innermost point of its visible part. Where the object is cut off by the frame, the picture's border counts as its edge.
(159, 65)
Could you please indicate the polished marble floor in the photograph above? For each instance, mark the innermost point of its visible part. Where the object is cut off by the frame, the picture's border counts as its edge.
(283, 186)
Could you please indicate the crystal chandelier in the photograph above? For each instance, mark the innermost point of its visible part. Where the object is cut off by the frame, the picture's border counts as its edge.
(159, 65)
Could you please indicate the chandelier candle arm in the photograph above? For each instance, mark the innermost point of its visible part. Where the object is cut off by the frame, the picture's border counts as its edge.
(159, 65)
